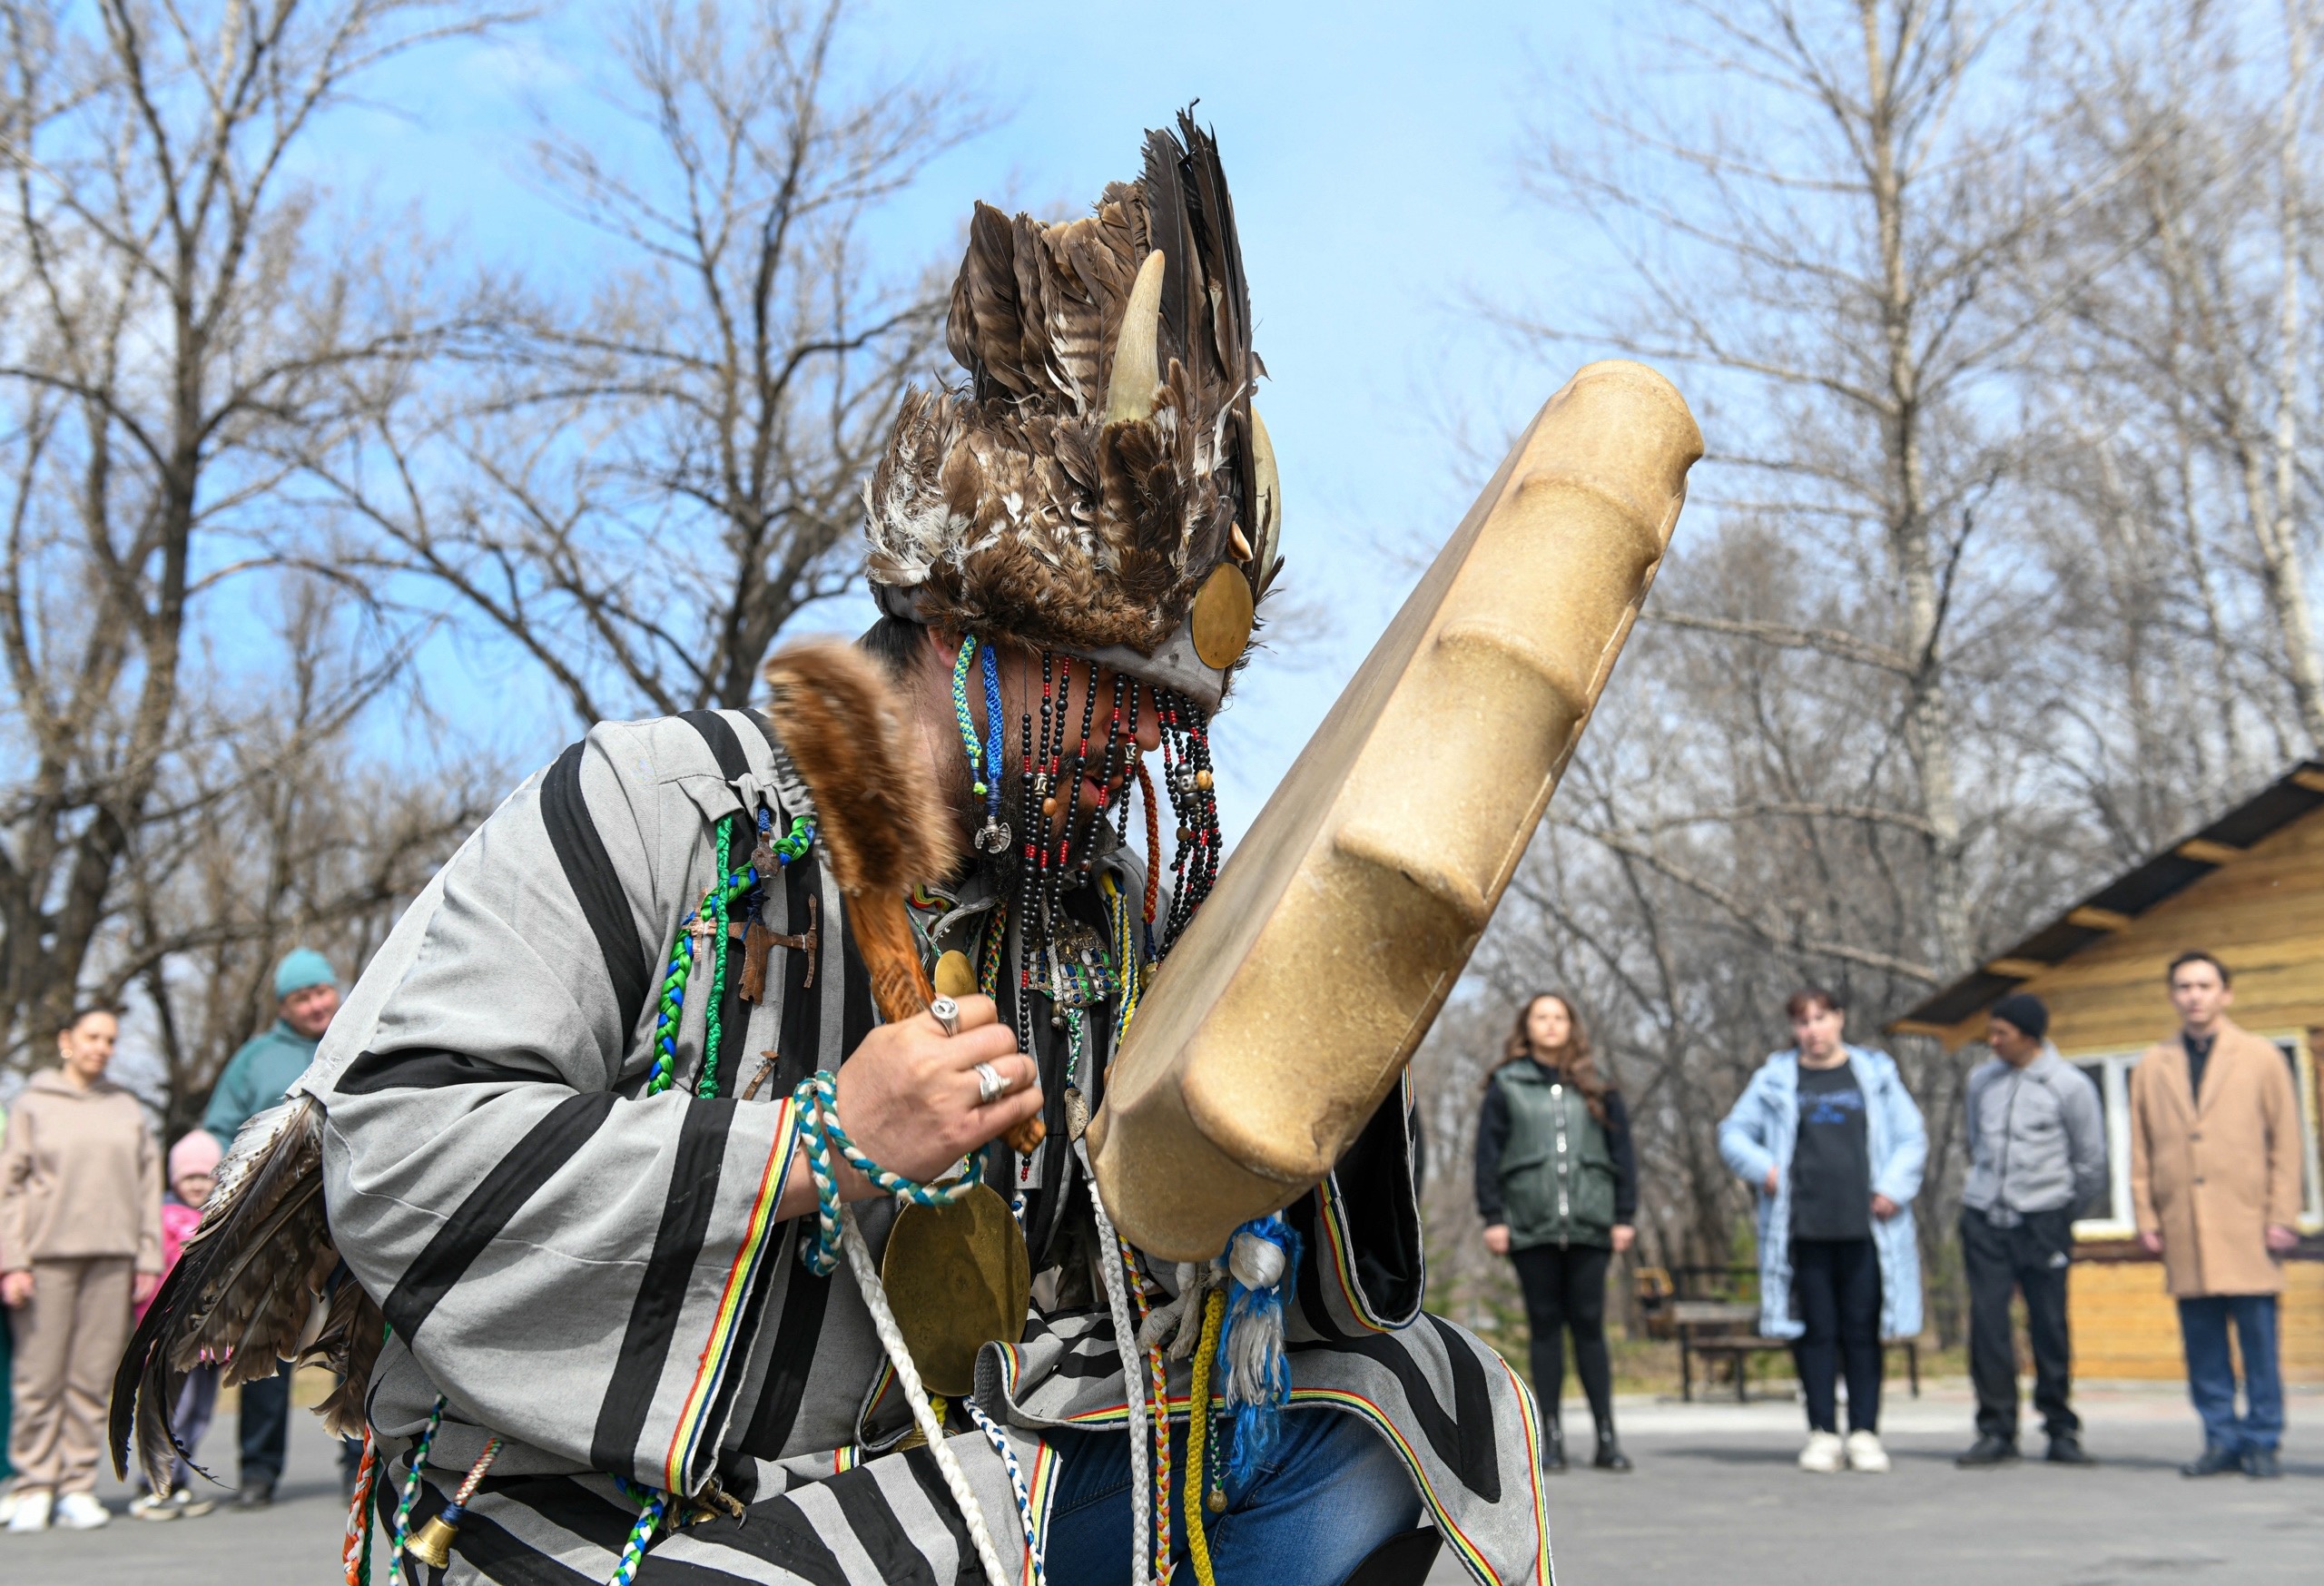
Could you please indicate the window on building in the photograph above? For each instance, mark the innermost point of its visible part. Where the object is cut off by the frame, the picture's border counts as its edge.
(2110, 1072)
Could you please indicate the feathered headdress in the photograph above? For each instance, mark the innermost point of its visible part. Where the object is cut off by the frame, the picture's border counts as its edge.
(1101, 485)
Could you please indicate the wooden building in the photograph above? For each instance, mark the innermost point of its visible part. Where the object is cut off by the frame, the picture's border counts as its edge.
(2249, 889)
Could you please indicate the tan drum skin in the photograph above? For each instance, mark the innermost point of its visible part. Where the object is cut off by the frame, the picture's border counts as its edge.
(1285, 1016)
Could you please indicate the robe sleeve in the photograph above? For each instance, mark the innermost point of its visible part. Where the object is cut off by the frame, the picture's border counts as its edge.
(572, 1263)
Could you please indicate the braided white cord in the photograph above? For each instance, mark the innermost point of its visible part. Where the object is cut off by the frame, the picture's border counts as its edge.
(1000, 1441)
(1141, 1476)
(891, 1338)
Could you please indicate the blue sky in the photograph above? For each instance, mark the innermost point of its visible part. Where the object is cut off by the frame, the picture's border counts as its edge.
(1371, 152)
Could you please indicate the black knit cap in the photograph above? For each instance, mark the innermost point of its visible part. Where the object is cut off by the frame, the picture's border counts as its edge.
(2024, 1010)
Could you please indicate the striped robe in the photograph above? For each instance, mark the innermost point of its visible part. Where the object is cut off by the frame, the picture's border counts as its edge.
(596, 1276)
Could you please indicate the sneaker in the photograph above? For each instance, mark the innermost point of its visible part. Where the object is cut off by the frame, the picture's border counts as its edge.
(1989, 1451)
(1866, 1454)
(1825, 1453)
(7, 1507)
(257, 1496)
(152, 1506)
(81, 1511)
(2262, 1464)
(31, 1512)
(190, 1507)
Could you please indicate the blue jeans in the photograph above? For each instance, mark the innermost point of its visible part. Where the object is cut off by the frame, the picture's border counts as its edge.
(1333, 1490)
(2210, 1373)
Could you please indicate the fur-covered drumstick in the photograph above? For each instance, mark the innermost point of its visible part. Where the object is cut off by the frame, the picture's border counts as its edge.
(878, 819)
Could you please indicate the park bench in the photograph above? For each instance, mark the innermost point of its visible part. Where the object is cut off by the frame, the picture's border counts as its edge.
(1724, 1329)
(1707, 1312)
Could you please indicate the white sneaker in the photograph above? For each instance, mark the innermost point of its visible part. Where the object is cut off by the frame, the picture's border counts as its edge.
(1824, 1453)
(7, 1507)
(31, 1512)
(189, 1506)
(152, 1506)
(1866, 1454)
(81, 1511)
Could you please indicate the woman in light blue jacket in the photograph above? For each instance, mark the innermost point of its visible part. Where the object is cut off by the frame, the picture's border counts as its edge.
(1830, 1140)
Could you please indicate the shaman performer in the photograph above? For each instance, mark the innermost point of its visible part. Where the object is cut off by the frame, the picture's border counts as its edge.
(598, 1162)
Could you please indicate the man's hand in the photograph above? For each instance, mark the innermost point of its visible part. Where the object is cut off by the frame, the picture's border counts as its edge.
(908, 1096)
(1883, 1207)
(2151, 1241)
(16, 1288)
(1625, 1236)
(2280, 1239)
(142, 1287)
(1774, 1178)
(1497, 1238)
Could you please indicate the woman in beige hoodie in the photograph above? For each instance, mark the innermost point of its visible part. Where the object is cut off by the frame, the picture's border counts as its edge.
(80, 1243)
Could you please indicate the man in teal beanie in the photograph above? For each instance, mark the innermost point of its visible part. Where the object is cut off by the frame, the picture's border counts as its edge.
(306, 993)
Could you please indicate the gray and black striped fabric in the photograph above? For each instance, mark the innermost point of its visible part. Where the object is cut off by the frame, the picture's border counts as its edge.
(594, 1276)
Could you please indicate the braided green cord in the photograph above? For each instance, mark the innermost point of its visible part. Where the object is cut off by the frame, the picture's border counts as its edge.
(670, 1001)
(707, 1087)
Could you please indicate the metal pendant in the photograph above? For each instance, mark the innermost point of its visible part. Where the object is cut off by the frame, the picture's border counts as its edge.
(958, 1278)
(993, 837)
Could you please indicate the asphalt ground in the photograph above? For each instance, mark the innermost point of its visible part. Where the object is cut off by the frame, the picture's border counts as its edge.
(1715, 1500)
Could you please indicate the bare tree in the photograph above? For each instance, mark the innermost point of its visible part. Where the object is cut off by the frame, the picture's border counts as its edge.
(170, 327)
(651, 480)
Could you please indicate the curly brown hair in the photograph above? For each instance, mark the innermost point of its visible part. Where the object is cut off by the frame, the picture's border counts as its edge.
(1574, 1059)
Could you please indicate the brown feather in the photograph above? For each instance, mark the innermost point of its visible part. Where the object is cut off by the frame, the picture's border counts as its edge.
(242, 1291)
(879, 820)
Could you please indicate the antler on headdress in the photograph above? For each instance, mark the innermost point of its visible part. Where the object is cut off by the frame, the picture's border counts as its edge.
(1104, 462)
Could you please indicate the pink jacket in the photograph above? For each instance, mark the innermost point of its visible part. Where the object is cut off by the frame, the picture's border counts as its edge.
(179, 1221)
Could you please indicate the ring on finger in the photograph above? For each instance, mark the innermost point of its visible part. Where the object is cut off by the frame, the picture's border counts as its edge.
(947, 1014)
(990, 1086)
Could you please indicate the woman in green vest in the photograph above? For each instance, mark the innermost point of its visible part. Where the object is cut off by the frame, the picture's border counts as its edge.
(1557, 1186)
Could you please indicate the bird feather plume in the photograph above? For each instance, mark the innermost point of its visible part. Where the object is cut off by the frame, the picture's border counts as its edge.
(1010, 506)
(243, 1291)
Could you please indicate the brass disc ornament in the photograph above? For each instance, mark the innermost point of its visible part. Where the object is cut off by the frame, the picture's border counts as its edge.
(1222, 616)
(958, 1278)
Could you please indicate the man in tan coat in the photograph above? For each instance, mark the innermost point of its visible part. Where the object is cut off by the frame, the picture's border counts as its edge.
(2215, 1187)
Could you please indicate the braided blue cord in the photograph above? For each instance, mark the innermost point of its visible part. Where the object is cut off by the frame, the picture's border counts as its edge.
(651, 1504)
(1000, 1441)
(816, 1104)
(991, 734)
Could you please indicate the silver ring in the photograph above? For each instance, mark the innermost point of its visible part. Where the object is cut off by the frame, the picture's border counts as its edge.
(947, 1013)
(990, 1086)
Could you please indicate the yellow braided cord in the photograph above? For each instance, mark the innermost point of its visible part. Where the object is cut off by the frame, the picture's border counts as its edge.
(996, 938)
(1214, 1311)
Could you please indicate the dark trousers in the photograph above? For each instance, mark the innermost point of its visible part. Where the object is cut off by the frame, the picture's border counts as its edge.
(1565, 1287)
(1836, 1293)
(2032, 1257)
(264, 1427)
(2211, 1370)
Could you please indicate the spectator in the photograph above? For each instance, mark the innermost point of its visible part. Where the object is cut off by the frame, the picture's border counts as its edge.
(80, 1243)
(1829, 1140)
(193, 1166)
(258, 1077)
(1557, 1186)
(2037, 1151)
(2215, 1186)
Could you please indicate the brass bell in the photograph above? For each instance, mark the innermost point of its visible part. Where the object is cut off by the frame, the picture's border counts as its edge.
(431, 1544)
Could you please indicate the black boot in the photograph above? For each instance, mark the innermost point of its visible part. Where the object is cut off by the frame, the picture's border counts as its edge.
(1611, 1456)
(1553, 1447)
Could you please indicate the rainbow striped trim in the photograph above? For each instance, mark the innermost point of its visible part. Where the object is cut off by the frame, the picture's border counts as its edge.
(750, 1255)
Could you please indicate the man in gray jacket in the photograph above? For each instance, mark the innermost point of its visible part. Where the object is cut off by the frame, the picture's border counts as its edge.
(2037, 1152)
